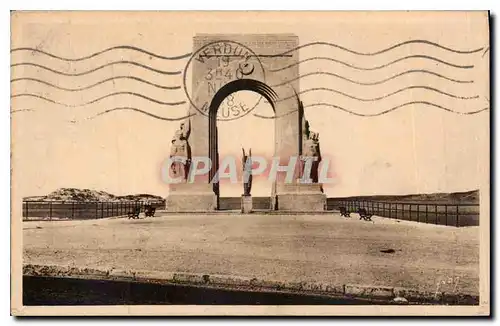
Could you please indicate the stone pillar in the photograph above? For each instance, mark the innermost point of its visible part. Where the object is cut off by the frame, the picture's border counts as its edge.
(246, 204)
(269, 53)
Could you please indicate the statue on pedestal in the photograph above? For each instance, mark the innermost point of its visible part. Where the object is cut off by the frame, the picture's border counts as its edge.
(310, 150)
(180, 148)
(247, 172)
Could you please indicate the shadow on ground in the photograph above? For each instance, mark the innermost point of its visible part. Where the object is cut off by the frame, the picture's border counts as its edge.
(49, 291)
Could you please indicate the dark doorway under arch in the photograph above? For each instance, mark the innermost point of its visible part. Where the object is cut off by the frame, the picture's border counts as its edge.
(234, 86)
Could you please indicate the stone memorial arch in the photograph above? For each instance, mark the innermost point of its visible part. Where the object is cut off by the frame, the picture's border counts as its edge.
(224, 64)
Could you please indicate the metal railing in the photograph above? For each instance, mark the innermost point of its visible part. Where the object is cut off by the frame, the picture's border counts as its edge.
(458, 214)
(49, 210)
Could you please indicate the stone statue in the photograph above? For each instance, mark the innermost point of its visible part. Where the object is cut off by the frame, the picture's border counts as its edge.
(247, 172)
(180, 148)
(305, 129)
(311, 150)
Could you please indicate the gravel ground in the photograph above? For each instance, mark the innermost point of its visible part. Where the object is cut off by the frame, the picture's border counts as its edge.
(317, 248)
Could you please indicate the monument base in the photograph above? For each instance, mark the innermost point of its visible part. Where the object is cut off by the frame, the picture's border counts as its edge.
(191, 197)
(246, 204)
(300, 197)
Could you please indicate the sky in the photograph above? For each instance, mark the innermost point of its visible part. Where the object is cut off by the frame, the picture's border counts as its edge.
(414, 149)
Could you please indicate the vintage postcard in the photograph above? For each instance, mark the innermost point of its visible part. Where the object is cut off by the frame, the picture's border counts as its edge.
(250, 163)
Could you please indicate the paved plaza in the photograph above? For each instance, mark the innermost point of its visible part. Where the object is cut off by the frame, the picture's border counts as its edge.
(304, 248)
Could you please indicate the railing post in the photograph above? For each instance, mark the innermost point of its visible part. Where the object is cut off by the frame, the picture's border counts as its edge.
(72, 210)
(458, 223)
(437, 217)
(418, 213)
(27, 209)
(96, 209)
(50, 210)
(446, 215)
(426, 213)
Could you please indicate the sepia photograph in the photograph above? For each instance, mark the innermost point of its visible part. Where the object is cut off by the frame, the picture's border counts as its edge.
(250, 163)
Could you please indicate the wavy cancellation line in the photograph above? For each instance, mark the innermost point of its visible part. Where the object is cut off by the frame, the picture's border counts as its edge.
(119, 109)
(374, 114)
(383, 50)
(96, 84)
(22, 110)
(428, 88)
(395, 108)
(186, 55)
(95, 69)
(418, 56)
(119, 47)
(139, 111)
(423, 71)
(98, 99)
(276, 117)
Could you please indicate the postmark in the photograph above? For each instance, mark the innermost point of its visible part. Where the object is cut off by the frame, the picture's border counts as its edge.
(216, 64)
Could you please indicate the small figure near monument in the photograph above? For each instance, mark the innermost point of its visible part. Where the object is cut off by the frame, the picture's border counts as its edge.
(246, 198)
(180, 148)
(247, 172)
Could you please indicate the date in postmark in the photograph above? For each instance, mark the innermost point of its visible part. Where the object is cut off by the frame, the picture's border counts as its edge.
(216, 64)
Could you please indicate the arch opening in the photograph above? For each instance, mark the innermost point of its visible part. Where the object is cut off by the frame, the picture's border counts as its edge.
(229, 90)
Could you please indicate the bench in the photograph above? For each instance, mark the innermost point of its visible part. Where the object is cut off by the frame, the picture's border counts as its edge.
(149, 211)
(364, 215)
(134, 213)
(344, 212)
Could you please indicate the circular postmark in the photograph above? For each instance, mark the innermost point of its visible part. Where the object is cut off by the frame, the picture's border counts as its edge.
(213, 66)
